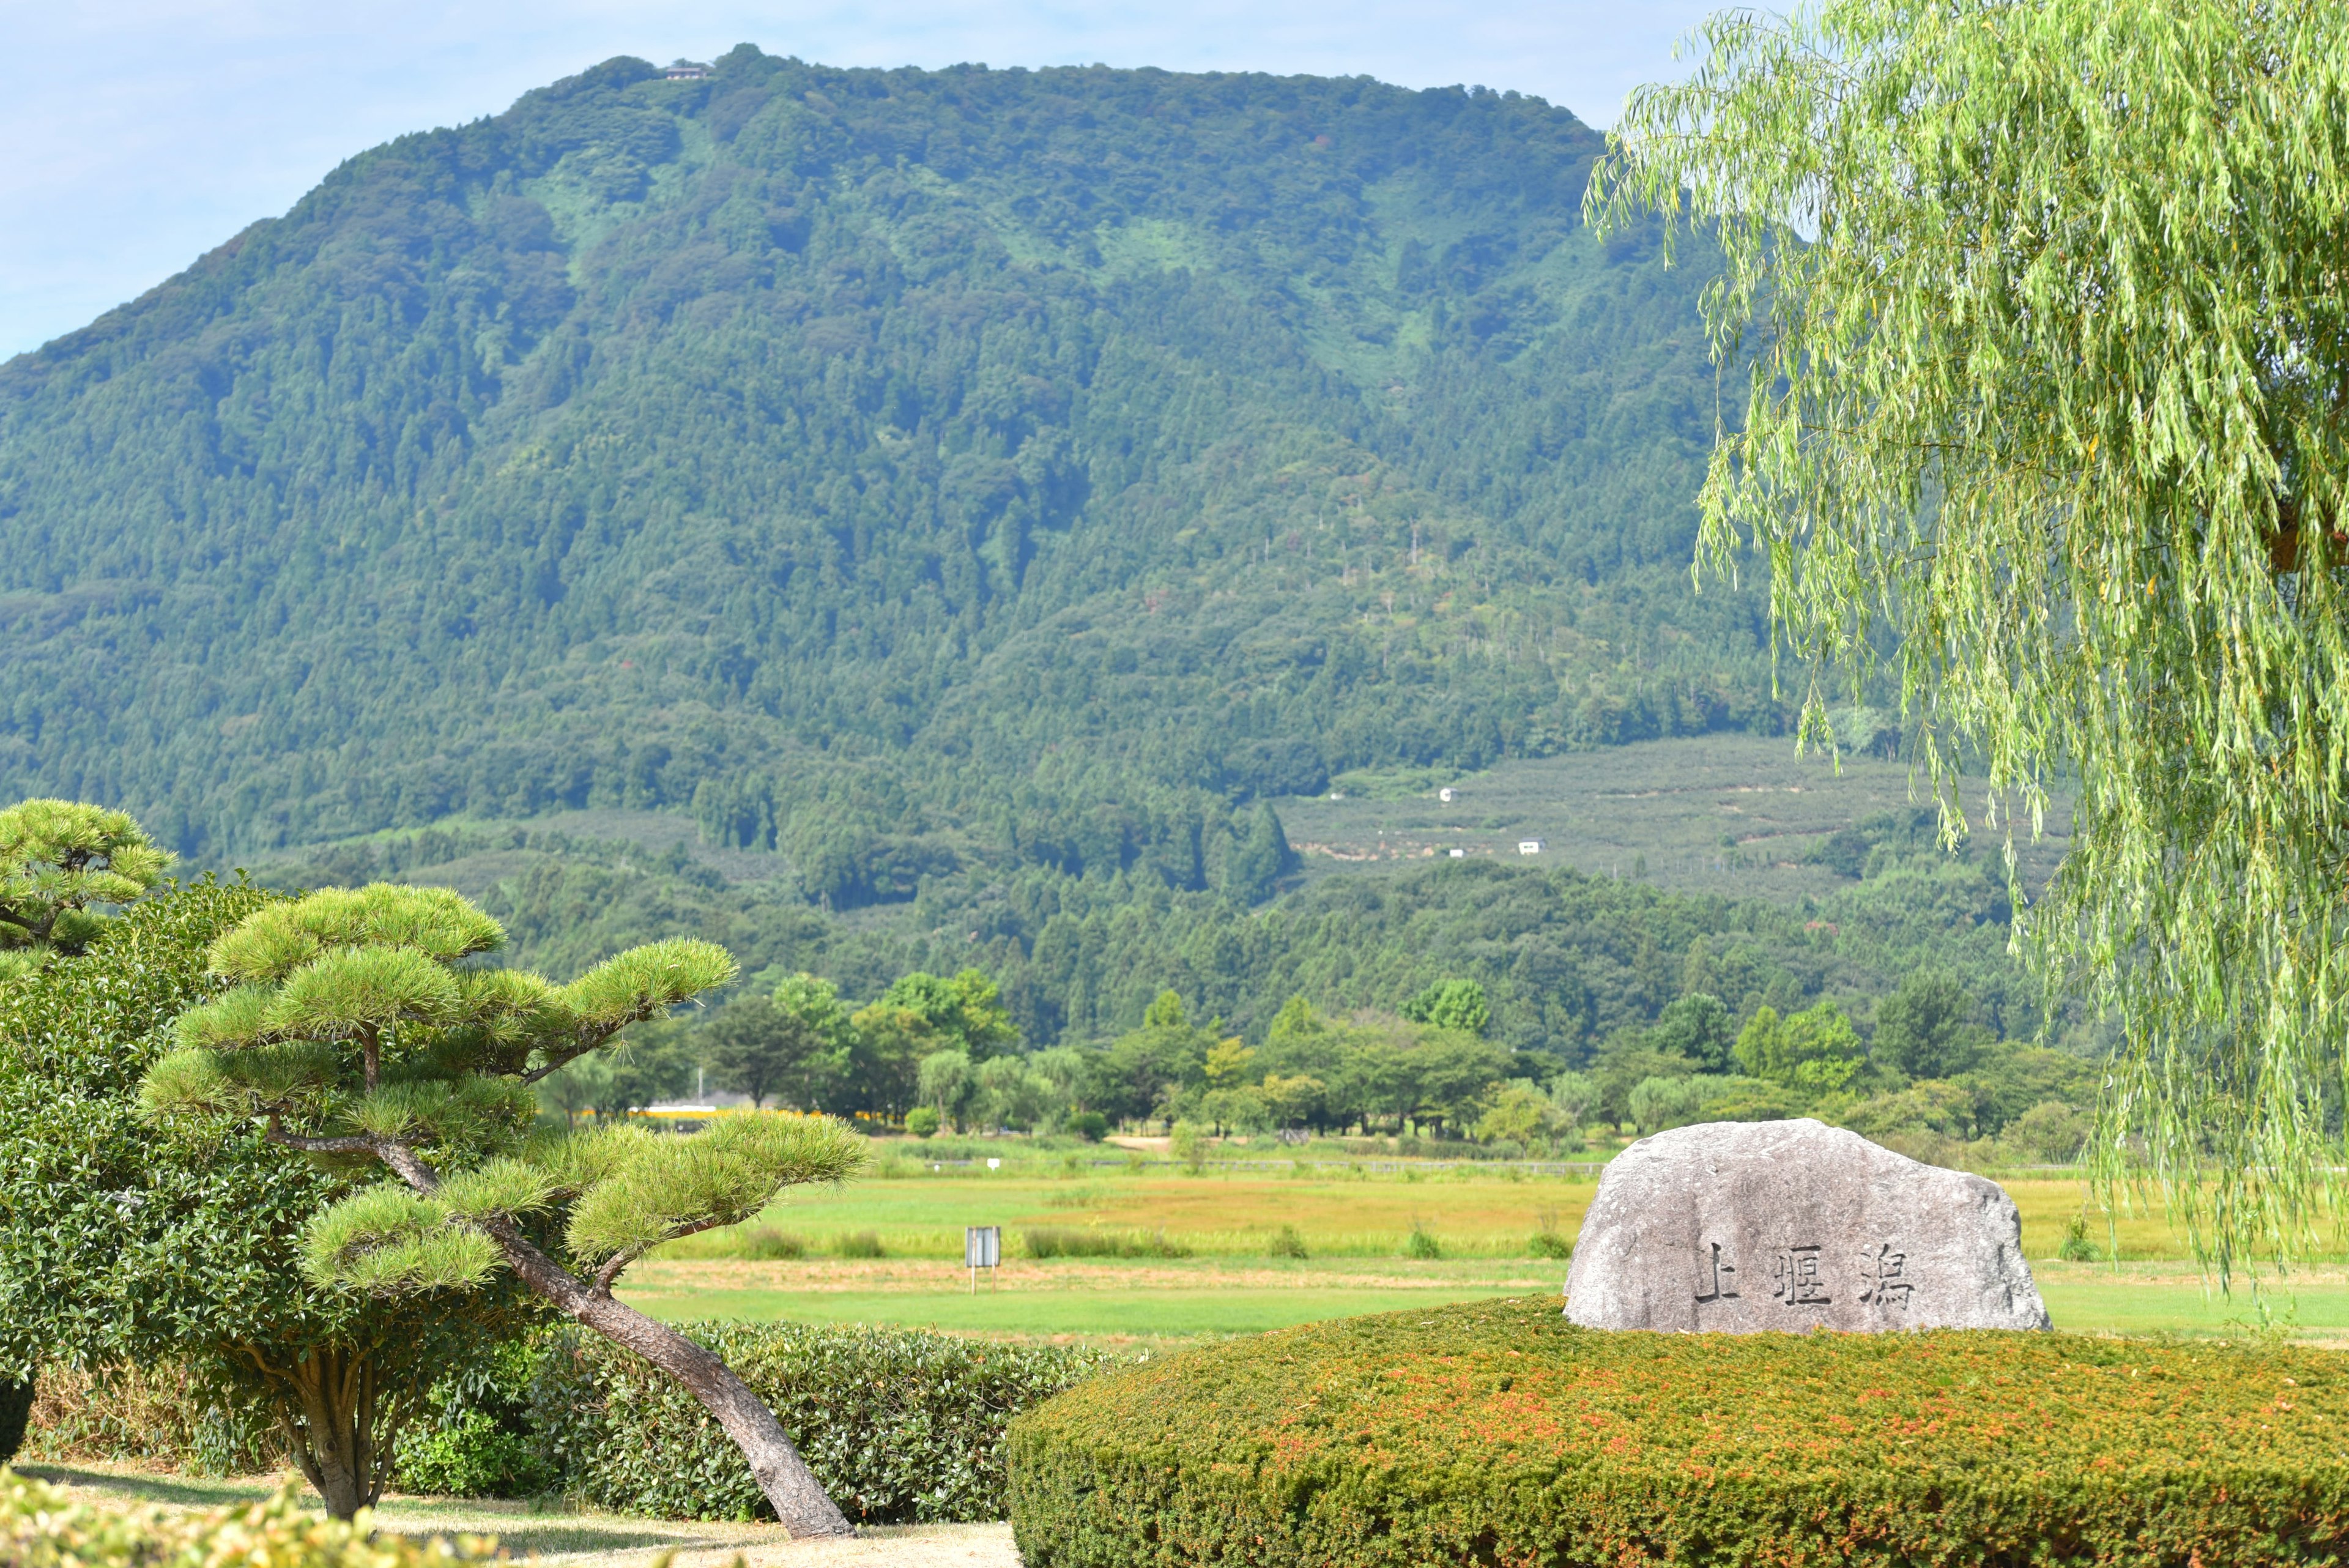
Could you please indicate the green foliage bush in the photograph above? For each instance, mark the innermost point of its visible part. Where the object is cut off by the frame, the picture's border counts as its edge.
(42, 1527)
(2078, 1246)
(901, 1426)
(860, 1244)
(478, 1439)
(1499, 1433)
(764, 1243)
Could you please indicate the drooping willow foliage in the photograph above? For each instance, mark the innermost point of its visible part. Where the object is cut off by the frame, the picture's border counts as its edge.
(2044, 304)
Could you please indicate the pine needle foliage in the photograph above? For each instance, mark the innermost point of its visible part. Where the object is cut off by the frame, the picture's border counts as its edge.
(2049, 348)
(357, 1032)
(362, 1034)
(58, 859)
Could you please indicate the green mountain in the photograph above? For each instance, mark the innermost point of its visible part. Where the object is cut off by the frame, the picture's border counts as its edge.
(910, 471)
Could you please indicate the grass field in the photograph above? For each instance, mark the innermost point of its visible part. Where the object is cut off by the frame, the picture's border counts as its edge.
(1221, 1277)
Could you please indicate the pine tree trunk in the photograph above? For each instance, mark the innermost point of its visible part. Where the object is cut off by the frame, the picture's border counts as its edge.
(329, 1408)
(798, 1498)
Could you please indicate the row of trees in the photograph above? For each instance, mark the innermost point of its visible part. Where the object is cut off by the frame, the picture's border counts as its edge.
(1923, 1066)
(943, 1051)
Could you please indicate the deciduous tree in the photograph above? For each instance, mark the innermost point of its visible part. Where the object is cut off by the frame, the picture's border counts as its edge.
(2049, 348)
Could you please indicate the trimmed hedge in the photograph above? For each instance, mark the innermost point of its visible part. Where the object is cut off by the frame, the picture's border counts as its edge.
(901, 1426)
(1498, 1433)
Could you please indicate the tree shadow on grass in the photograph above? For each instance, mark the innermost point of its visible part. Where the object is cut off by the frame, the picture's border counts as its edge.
(525, 1539)
(175, 1491)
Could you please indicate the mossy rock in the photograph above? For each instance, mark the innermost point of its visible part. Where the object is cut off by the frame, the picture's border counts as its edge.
(1499, 1433)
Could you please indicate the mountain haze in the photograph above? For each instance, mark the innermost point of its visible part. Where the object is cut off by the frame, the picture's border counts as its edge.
(894, 468)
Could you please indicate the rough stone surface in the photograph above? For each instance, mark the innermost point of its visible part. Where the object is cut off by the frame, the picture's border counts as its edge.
(1742, 1227)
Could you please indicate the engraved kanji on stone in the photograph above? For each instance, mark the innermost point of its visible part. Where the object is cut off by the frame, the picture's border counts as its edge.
(1884, 1277)
(1716, 1277)
(1797, 1273)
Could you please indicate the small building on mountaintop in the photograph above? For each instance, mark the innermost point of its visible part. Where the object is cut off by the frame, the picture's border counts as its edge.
(685, 71)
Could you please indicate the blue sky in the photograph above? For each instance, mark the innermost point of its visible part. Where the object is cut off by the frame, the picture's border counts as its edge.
(141, 133)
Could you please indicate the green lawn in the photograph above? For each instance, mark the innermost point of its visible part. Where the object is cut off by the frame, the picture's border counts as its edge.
(2161, 1299)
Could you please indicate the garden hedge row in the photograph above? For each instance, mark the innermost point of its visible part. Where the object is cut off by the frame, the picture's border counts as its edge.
(1498, 1433)
(901, 1426)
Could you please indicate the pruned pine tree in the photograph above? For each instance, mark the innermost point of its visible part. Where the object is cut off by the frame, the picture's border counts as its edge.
(359, 1032)
(2048, 346)
(58, 859)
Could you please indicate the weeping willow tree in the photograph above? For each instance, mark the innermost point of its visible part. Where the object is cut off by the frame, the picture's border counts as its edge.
(2044, 308)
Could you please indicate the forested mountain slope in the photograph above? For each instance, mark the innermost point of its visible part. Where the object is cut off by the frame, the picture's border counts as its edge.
(892, 467)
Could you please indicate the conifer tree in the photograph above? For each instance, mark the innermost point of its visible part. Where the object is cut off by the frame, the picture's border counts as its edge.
(57, 858)
(359, 1032)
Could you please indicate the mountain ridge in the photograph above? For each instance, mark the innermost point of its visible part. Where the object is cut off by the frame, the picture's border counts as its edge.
(849, 455)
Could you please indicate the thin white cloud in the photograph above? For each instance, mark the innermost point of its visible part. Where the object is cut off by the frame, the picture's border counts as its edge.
(141, 134)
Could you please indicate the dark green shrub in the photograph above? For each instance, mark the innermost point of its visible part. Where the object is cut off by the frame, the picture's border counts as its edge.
(1090, 1126)
(1422, 1244)
(471, 1456)
(901, 1426)
(477, 1439)
(766, 1244)
(1287, 1243)
(923, 1121)
(1497, 1432)
(2078, 1246)
(1549, 1244)
(860, 1244)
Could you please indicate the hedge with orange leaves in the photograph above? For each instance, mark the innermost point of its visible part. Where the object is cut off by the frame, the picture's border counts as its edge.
(1498, 1433)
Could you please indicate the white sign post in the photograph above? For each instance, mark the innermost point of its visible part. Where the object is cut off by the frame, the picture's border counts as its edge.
(982, 1248)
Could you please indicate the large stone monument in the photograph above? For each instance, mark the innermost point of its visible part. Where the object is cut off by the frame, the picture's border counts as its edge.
(1739, 1227)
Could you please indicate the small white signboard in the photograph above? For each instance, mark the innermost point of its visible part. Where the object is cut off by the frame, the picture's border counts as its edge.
(982, 1248)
